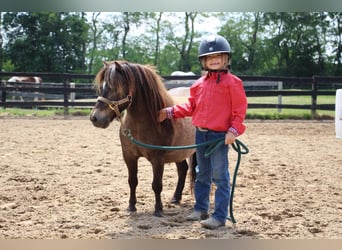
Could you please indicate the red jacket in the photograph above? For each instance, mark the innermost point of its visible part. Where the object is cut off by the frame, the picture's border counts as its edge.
(216, 106)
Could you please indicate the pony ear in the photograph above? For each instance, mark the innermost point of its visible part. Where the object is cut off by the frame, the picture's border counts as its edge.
(118, 66)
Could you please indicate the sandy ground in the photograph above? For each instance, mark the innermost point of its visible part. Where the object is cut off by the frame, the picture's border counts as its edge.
(64, 178)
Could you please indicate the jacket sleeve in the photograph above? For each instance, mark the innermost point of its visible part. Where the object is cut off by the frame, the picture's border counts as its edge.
(186, 109)
(239, 107)
(183, 110)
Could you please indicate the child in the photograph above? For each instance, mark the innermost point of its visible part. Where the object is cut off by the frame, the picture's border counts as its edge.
(218, 105)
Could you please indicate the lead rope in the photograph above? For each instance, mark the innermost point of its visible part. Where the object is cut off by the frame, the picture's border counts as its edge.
(213, 145)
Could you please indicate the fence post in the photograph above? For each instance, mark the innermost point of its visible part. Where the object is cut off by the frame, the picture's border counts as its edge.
(3, 94)
(280, 87)
(66, 97)
(72, 94)
(314, 98)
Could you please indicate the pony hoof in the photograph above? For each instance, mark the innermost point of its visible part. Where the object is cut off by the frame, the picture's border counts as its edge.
(131, 209)
(158, 214)
(175, 201)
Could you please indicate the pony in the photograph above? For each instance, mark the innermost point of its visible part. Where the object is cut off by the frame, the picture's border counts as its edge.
(26, 79)
(181, 73)
(180, 91)
(134, 94)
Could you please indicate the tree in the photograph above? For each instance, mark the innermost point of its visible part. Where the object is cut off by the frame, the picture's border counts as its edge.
(157, 46)
(285, 43)
(128, 19)
(184, 43)
(95, 34)
(336, 33)
(187, 43)
(45, 41)
(244, 33)
(1, 44)
(297, 42)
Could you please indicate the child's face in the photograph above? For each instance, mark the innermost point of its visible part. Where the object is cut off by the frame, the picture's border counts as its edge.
(215, 61)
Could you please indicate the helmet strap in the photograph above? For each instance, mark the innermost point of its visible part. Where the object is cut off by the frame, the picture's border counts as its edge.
(219, 71)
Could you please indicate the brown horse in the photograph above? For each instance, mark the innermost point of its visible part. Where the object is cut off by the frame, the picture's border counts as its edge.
(139, 91)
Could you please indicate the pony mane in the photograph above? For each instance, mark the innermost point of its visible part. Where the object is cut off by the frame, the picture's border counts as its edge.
(142, 81)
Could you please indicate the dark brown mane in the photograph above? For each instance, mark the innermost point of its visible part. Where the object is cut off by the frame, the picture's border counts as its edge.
(148, 90)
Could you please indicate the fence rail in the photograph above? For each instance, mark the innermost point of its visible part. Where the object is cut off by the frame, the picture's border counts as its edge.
(65, 94)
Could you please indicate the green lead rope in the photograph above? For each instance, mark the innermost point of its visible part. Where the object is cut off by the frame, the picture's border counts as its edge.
(238, 146)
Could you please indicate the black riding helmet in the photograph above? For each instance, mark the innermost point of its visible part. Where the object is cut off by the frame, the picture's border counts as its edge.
(214, 44)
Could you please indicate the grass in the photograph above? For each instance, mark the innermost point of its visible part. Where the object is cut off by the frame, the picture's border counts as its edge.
(18, 112)
(269, 114)
(264, 114)
(274, 114)
(285, 114)
(292, 99)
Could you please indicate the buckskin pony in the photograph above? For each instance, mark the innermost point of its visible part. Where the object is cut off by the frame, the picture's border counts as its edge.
(133, 94)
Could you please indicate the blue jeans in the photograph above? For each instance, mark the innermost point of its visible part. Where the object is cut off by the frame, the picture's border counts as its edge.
(212, 169)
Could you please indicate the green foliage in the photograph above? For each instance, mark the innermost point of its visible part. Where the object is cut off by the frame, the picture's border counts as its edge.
(8, 66)
(45, 41)
(284, 44)
(263, 43)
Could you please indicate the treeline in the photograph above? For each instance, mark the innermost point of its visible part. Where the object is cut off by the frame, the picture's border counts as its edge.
(277, 44)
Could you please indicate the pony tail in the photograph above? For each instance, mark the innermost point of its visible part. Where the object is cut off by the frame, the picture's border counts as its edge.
(193, 165)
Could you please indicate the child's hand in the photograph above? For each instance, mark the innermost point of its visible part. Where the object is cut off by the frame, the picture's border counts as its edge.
(162, 115)
(230, 138)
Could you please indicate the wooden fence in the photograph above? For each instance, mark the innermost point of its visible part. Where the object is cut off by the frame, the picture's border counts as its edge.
(58, 90)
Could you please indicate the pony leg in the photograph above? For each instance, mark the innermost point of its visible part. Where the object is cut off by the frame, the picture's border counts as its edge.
(157, 186)
(132, 166)
(182, 169)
